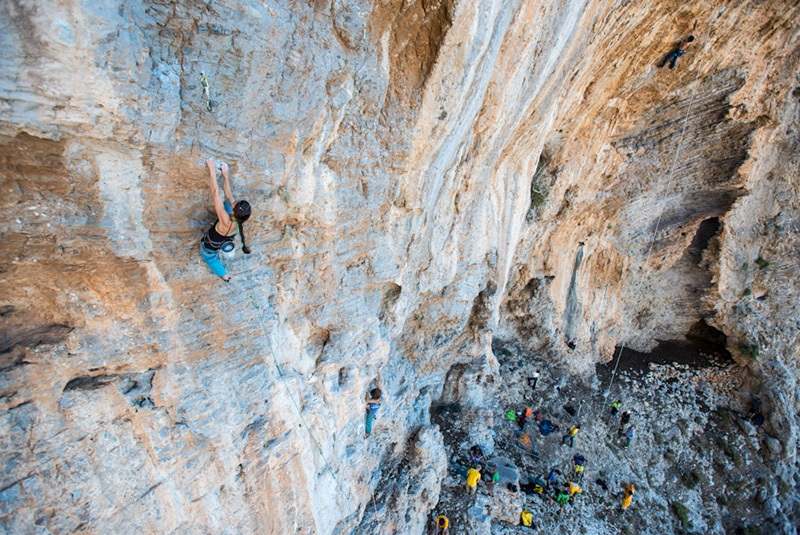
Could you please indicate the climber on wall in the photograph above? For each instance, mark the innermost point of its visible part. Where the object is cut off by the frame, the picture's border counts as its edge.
(219, 238)
(673, 56)
(373, 403)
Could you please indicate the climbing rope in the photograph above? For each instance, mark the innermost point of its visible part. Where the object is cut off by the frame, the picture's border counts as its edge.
(670, 176)
(251, 296)
(375, 506)
(257, 307)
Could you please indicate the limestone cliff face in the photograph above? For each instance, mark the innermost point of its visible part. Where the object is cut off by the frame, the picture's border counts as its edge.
(425, 176)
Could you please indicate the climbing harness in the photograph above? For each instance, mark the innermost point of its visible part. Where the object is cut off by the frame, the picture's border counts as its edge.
(670, 176)
(206, 91)
(289, 393)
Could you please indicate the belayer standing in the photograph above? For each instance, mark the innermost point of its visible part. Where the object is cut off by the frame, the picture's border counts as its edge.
(473, 478)
(627, 497)
(562, 498)
(629, 434)
(579, 463)
(533, 379)
(231, 215)
(373, 403)
(552, 478)
(571, 436)
(623, 421)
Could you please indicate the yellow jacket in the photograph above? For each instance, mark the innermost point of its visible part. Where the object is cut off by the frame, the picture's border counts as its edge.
(473, 476)
(626, 501)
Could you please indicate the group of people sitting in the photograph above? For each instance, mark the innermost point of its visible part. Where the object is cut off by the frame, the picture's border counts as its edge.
(559, 491)
(491, 476)
(521, 417)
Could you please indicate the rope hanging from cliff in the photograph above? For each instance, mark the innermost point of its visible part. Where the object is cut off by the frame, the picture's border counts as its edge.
(255, 305)
(667, 189)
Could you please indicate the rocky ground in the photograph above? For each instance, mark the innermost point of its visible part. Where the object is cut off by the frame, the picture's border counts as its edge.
(698, 465)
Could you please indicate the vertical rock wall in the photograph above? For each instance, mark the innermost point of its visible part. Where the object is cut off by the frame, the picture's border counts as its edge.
(423, 176)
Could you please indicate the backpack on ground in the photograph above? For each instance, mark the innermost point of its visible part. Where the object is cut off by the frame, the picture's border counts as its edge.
(527, 518)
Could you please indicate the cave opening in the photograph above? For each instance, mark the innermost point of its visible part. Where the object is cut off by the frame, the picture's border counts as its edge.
(708, 229)
(703, 346)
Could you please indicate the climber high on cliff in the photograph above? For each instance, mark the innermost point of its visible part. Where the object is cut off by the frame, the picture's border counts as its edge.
(673, 56)
(373, 403)
(219, 238)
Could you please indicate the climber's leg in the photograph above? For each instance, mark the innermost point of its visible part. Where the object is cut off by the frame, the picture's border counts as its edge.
(213, 261)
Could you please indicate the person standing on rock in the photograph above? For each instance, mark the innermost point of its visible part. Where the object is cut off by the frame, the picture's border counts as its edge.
(552, 477)
(627, 498)
(571, 436)
(579, 465)
(473, 477)
(559, 384)
(562, 498)
(629, 434)
(523, 416)
(231, 215)
(533, 379)
(491, 477)
(615, 408)
(373, 403)
(623, 421)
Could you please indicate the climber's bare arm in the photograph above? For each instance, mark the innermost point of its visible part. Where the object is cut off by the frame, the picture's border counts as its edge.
(219, 207)
(226, 184)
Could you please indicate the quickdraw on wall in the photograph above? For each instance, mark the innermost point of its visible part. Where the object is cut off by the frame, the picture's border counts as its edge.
(206, 91)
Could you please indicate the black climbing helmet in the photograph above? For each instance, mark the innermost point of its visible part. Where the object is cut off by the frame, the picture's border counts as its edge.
(242, 211)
